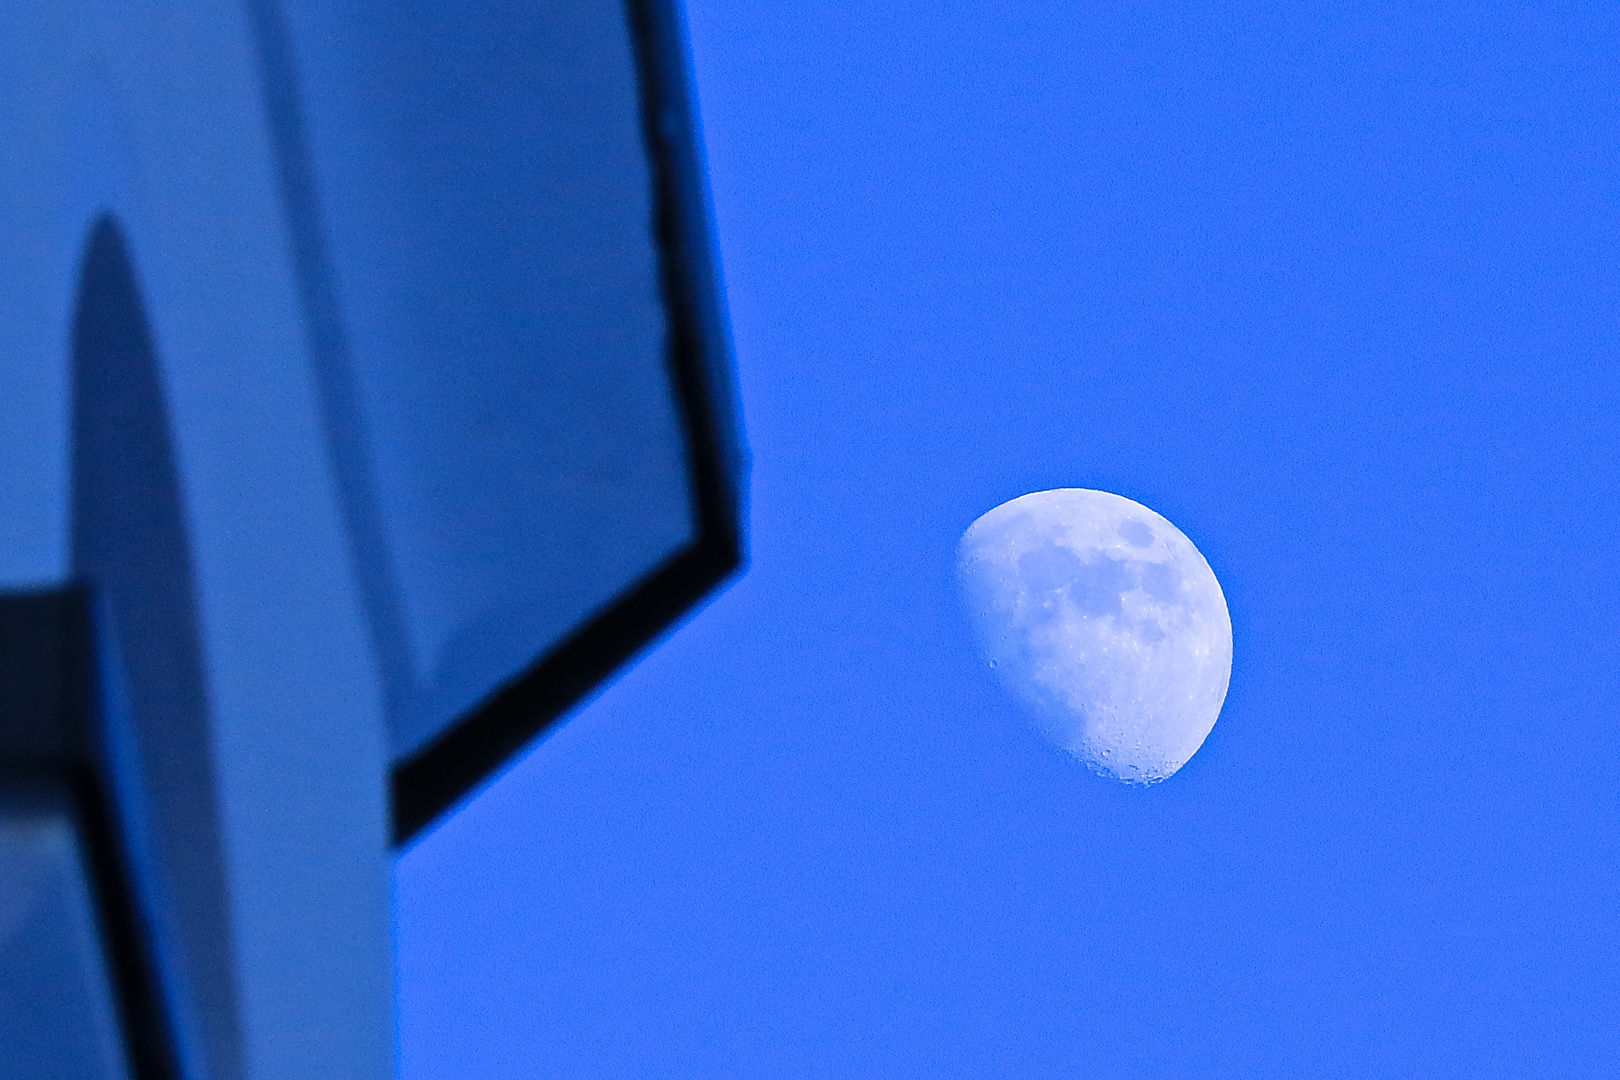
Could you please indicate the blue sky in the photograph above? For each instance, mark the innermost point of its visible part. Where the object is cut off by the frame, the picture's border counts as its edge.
(1333, 288)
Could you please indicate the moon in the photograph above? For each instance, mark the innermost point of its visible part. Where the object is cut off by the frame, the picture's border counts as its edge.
(1105, 623)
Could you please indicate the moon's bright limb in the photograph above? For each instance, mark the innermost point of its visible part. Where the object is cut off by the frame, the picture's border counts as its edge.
(1103, 620)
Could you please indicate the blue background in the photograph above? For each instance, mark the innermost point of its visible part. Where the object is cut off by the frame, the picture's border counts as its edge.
(1333, 288)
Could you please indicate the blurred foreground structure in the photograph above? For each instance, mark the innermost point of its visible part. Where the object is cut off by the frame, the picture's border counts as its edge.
(365, 400)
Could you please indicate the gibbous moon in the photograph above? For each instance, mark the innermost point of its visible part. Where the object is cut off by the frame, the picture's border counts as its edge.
(1105, 622)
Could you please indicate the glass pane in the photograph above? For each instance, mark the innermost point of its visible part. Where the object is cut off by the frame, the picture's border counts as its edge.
(57, 1012)
(512, 451)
